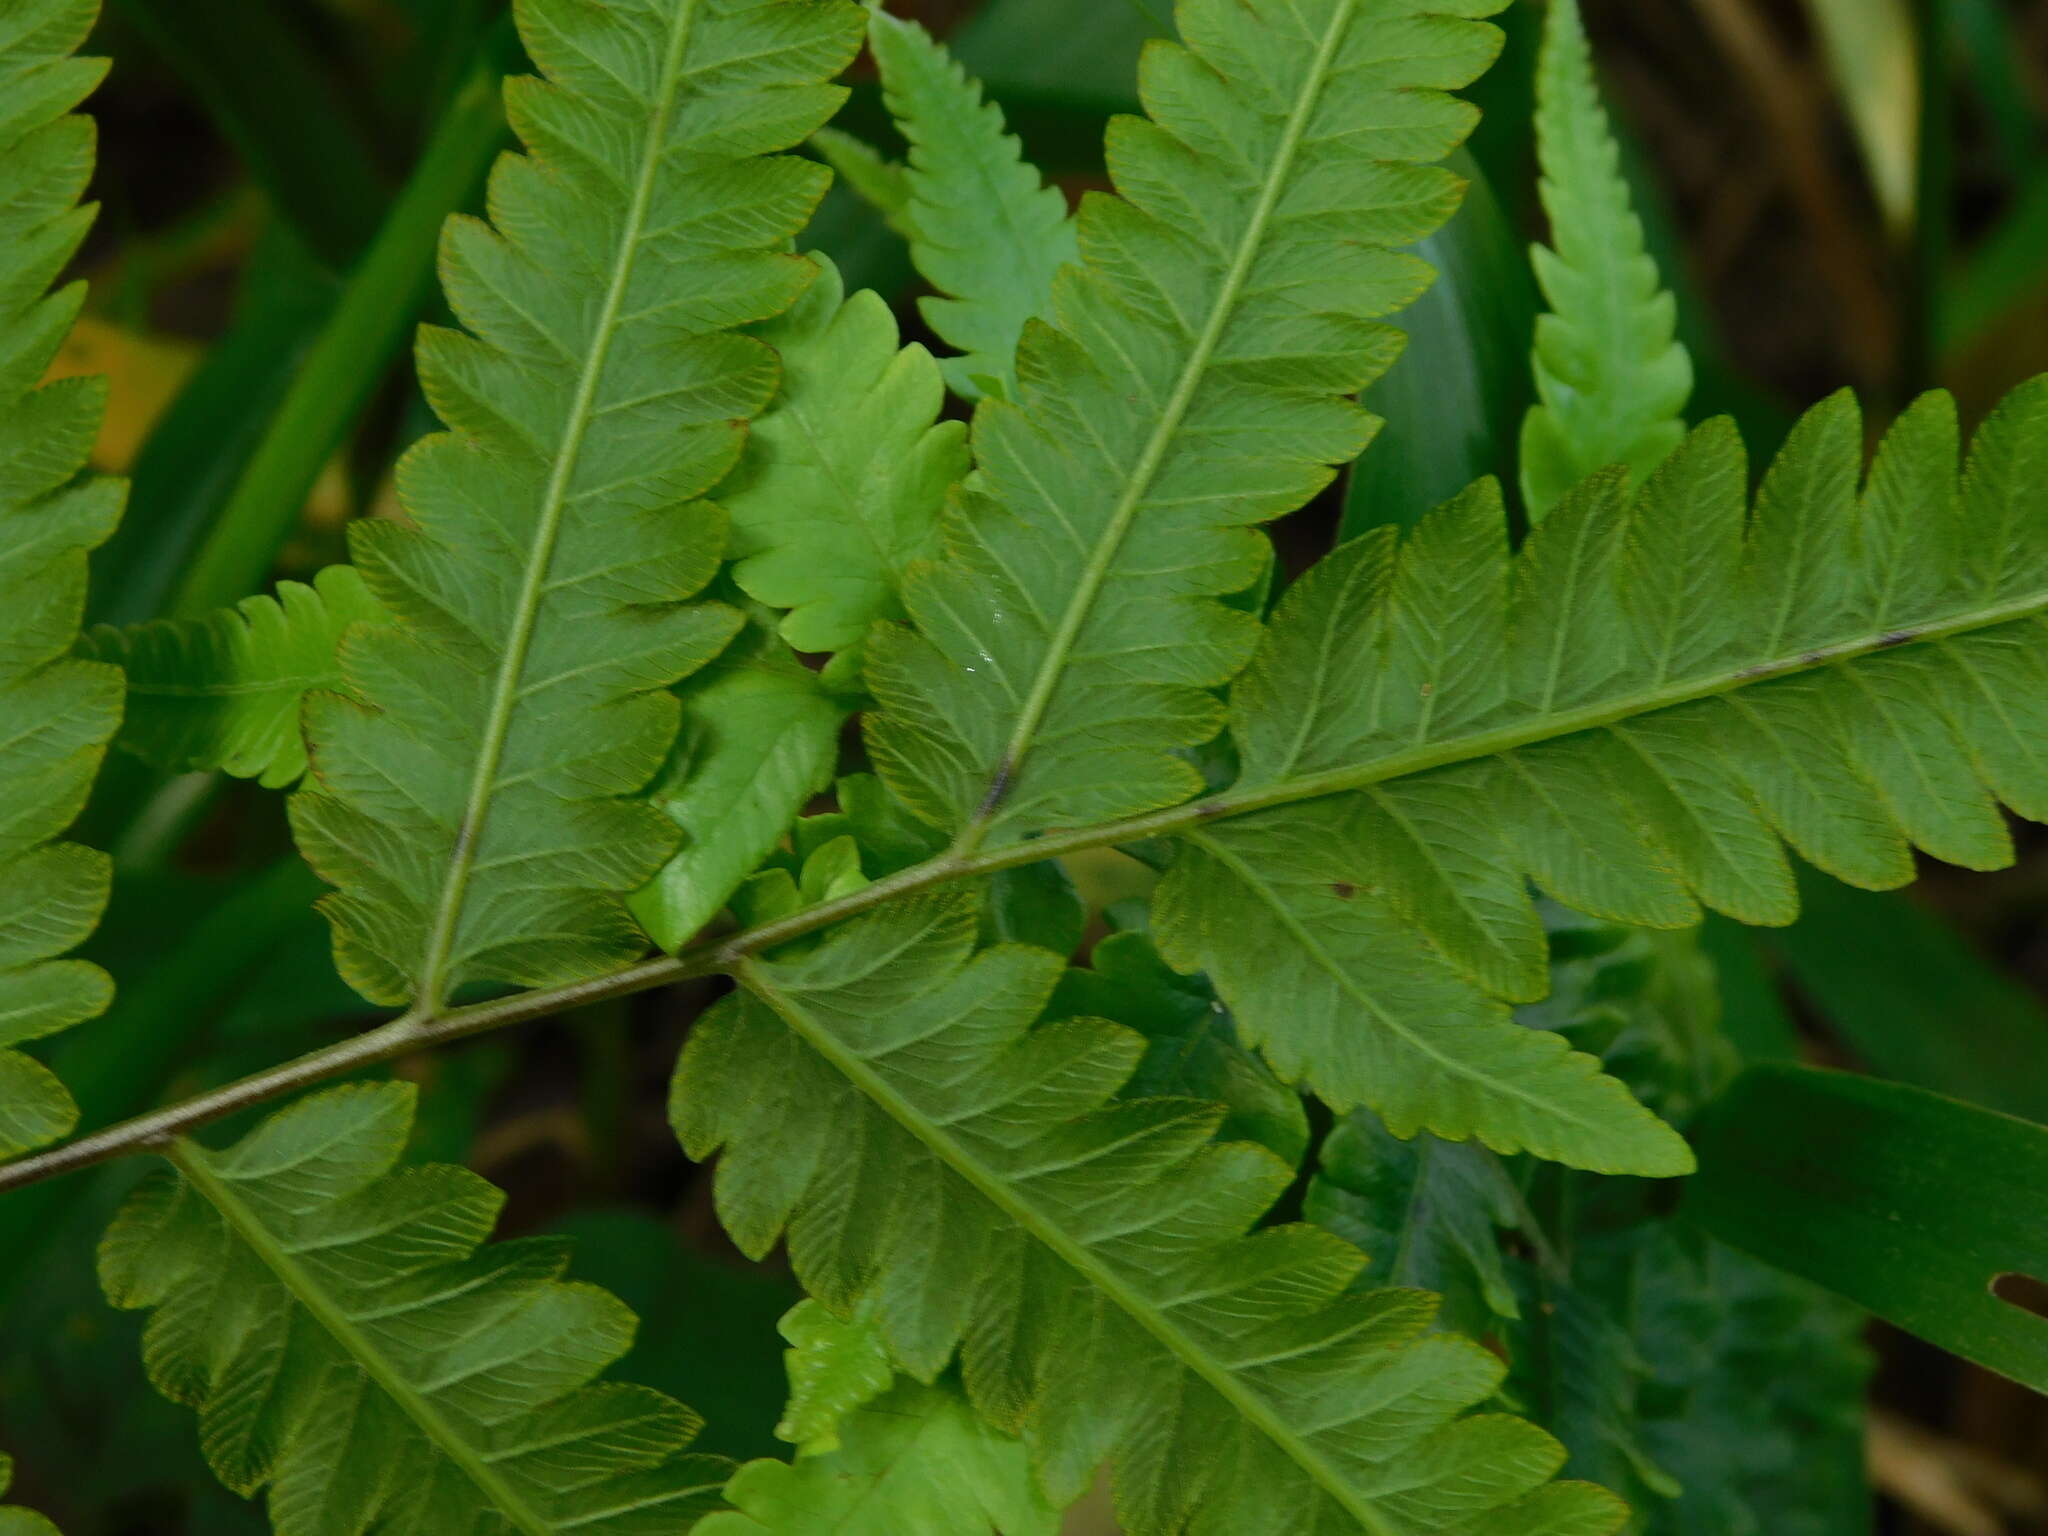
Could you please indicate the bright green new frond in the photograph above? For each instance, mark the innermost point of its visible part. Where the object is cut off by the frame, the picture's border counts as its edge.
(465, 794)
(915, 1463)
(351, 1345)
(983, 229)
(1194, 381)
(14, 1520)
(56, 713)
(757, 739)
(1635, 711)
(836, 1365)
(1612, 378)
(884, 1101)
(844, 478)
(224, 691)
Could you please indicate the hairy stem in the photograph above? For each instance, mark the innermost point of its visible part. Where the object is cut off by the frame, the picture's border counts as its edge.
(423, 1029)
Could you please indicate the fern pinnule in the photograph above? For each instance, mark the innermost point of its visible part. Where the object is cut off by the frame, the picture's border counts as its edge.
(917, 1462)
(466, 792)
(225, 691)
(57, 713)
(756, 740)
(845, 475)
(883, 184)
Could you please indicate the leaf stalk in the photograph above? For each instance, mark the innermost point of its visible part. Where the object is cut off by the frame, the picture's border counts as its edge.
(426, 1028)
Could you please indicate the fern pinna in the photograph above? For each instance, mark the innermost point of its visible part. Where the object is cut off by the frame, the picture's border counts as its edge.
(696, 504)
(56, 713)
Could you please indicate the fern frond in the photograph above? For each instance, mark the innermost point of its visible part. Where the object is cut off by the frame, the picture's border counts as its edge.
(1756, 1392)
(757, 739)
(884, 1100)
(836, 1366)
(1686, 685)
(224, 691)
(465, 797)
(843, 479)
(915, 1463)
(1426, 1212)
(350, 1346)
(1191, 1045)
(983, 230)
(1193, 381)
(1612, 378)
(56, 713)
(14, 1520)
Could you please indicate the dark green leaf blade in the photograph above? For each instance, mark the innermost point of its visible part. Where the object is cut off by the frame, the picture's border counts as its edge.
(1912, 1205)
(1913, 999)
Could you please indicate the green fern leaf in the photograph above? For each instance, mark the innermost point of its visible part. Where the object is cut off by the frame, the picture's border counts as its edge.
(843, 480)
(982, 229)
(349, 1345)
(224, 691)
(1193, 382)
(884, 1101)
(1685, 685)
(56, 713)
(1426, 1212)
(836, 1365)
(757, 740)
(1612, 378)
(14, 1520)
(1757, 1388)
(465, 797)
(1192, 1050)
(915, 1463)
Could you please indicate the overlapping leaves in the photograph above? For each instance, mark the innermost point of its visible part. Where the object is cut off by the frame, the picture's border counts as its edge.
(351, 1347)
(916, 1462)
(983, 230)
(465, 795)
(1854, 668)
(842, 482)
(883, 1102)
(56, 713)
(1714, 1393)
(224, 691)
(1192, 382)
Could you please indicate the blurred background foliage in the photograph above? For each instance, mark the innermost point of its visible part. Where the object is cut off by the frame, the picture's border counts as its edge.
(1841, 191)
